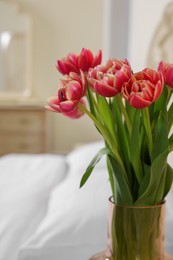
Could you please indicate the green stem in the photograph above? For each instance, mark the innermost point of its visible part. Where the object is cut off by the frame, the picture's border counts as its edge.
(104, 133)
(147, 125)
(98, 124)
(111, 178)
(105, 115)
(91, 100)
(124, 112)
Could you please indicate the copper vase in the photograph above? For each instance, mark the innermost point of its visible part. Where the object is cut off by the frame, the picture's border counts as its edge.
(135, 233)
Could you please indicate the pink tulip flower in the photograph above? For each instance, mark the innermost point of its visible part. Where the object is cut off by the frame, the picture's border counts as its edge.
(87, 60)
(108, 80)
(75, 63)
(72, 91)
(68, 64)
(167, 70)
(67, 108)
(143, 88)
(74, 85)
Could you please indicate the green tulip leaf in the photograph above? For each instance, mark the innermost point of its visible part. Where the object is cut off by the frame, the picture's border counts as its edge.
(161, 137)
(105, 114)
(131, 111)
(135, 147)
(159, 105)
(170, 117)
(122, 136)
(168, 180)
(122, 194)
(156, 175)
(91, 101)
(95, 160)
(161, 186)
(146, 179)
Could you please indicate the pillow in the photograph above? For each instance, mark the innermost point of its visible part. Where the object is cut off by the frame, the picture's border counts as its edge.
(25, 185)
(83, 156)
(75, 226)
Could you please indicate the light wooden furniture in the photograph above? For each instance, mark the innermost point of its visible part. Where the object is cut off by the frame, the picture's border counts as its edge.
(23, 129)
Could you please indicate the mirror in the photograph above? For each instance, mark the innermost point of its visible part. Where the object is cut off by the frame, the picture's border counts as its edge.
(14, 51)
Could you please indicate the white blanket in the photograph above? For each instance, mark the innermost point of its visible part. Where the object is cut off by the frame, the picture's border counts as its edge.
(45, 216)
(25, 185)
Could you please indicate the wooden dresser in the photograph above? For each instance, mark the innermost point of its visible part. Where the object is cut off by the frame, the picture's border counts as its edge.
(23, 129)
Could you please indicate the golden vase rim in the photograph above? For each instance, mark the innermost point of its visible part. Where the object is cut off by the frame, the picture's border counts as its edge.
(137, 206)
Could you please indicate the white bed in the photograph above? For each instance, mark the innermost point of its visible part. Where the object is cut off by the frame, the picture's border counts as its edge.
(45, 216)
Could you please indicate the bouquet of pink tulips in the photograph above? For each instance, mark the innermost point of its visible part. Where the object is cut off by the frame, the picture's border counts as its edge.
(133, 113)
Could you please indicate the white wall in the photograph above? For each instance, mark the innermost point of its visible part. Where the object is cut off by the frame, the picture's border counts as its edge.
(116, 28)
(60, 27)
(145, 16)
(129, 28)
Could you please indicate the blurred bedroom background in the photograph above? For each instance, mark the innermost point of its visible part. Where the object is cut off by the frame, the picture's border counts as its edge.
(44, 215)
(35, 33)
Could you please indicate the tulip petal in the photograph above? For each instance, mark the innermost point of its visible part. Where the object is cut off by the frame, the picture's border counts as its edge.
(84, 60)
(73, 58)
(97, 59)
(158, 91)
(169, 76)
(68, 106)
(61, 67)
(66, 67)
(143, 88)
(50, 108)
(76, 113)
(74, 90)
(88, 54)
(138, 102)
(53, 100)
(105, 90)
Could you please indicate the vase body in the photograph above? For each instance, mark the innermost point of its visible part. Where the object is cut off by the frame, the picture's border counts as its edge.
(135, 233)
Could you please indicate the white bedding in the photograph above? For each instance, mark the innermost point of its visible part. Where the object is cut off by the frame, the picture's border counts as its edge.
(45, 216)
(26, 182)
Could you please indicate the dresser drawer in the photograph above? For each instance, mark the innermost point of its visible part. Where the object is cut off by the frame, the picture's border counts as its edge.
(22, 144)
(23, 129)
(25, 121)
